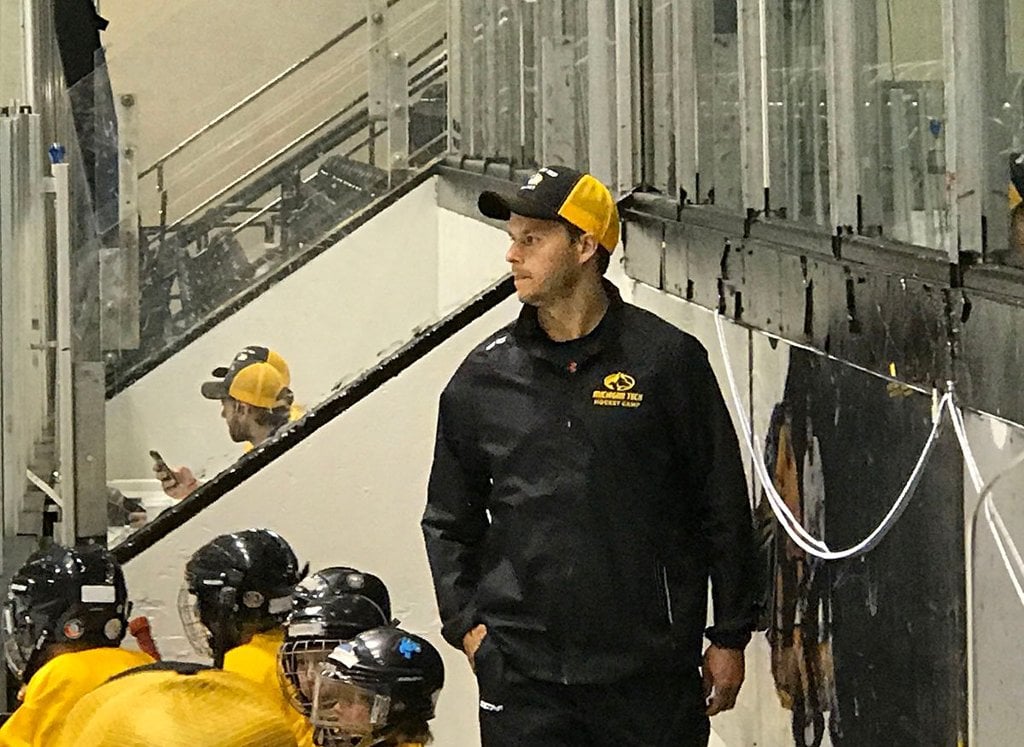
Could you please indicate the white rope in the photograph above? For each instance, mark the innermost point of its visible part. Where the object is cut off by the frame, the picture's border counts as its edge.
(799, 535)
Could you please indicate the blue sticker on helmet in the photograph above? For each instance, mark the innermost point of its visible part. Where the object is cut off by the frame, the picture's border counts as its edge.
(407, 647)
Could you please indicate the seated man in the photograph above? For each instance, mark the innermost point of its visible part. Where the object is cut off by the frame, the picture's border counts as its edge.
(255, 403)
(238, 592)
(176, 705)
(65, 616)
(380, 688)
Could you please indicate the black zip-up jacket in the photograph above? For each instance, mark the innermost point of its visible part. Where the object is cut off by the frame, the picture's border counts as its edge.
(582, 494)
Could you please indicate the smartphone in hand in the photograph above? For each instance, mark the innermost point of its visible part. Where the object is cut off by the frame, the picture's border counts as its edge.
(162, 470)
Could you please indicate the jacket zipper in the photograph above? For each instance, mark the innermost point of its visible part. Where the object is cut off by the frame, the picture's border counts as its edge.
(668, 595)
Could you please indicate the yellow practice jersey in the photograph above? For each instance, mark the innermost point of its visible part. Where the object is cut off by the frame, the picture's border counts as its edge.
(57, 686)
(257, 661)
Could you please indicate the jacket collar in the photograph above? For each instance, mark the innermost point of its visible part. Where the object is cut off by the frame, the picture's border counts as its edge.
(532, 337)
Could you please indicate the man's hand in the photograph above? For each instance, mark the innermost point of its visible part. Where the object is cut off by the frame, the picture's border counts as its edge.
(471, 643)
(177, 483)
(723, 676)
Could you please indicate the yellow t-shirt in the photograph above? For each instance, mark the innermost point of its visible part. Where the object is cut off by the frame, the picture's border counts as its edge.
(55, 688)
(257, 661)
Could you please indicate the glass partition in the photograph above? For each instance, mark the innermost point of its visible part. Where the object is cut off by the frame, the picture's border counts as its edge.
(797, 109)
(181, 250)
(1003, 31)
(273, 176)
(902, 120)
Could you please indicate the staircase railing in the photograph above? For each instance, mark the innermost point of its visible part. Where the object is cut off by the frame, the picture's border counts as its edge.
(242, 198)
(333, 407)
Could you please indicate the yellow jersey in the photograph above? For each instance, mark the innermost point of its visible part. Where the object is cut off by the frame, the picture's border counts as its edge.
(55, 688)
(257, 661)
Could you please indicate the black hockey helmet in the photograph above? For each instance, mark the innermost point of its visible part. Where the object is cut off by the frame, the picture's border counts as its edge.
(63, 595)
(313, 631)
(236, 585)
(343, 580)
(379, 680)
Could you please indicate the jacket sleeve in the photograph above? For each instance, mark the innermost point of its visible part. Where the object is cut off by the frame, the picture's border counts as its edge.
(726, 523)
(454, 524)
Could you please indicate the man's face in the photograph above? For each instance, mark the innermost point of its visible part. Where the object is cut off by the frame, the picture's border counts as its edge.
(545, 262)
(238, 416)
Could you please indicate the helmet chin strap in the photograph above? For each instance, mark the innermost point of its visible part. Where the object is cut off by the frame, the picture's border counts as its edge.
(374, 739)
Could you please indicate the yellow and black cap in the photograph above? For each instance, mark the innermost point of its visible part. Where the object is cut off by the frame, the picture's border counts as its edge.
(563, 194)
(256, 354)
(257, 376)
(1016, 179)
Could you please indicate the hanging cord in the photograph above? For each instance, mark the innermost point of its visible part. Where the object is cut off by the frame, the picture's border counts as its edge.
(799, 535)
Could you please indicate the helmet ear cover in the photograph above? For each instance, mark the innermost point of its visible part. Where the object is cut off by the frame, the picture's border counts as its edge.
(60, 595)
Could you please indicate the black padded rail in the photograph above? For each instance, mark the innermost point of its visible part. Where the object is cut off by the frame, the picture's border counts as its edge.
(368, 382)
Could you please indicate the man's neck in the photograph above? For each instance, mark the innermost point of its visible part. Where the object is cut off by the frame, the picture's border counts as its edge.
(260, 433)
(577, 314)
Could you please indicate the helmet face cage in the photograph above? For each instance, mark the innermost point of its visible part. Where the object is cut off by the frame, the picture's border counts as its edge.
(195, 630)
(347, 706)
(19, 637)
(299, 663)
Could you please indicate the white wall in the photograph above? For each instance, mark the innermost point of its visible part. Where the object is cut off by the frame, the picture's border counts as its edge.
(189, 60)
(12, 72)
(352, 494)
(998, 620)
(327, 320)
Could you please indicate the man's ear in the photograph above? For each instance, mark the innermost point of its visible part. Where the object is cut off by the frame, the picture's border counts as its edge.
(587, 248)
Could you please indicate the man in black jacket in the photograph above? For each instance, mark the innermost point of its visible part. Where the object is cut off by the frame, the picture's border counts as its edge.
(586, 484)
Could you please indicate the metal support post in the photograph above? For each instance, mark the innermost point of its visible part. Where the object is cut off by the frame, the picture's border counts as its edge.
(119, 266)
(398, 116)
(377, 59)
(998, 133)
(90, 503)
(600, 95)
(684, 72)
(558, 143)
(901, 190)
(662, 108)
(626, 155)
(753, 95)
(843, 111)
(456, 39)
(8, 498)
(65, 369)
(961, 22)
(530, 121)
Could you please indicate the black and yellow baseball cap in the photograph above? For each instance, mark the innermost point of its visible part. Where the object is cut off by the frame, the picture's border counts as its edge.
(1016, 179)
(256, 354)
(564, 194)
(258, 384)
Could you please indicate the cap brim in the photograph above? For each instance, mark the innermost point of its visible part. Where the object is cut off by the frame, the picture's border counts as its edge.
(500, 207)
(214, 390)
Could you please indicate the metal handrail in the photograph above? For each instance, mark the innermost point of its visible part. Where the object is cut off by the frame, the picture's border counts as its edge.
(270, 159)
(428, 74)
(259, 92)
